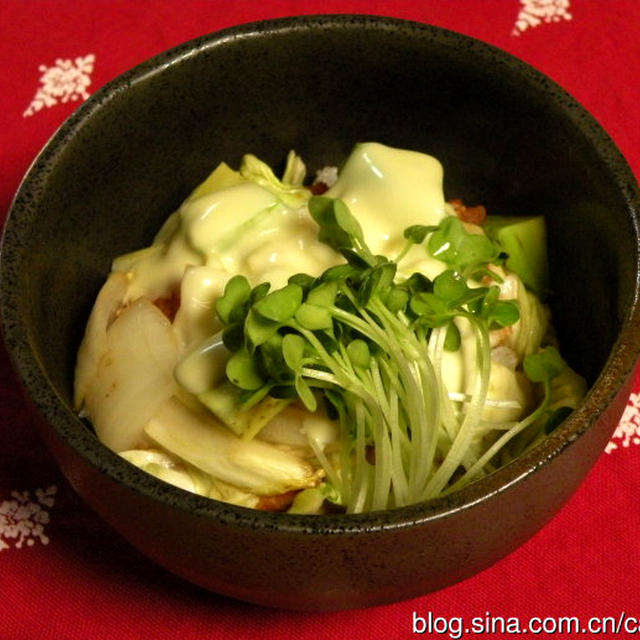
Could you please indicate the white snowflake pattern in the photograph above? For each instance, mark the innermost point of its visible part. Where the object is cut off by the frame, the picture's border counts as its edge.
(66, 80)
(23, 519)
(628, 429)
(536, 12)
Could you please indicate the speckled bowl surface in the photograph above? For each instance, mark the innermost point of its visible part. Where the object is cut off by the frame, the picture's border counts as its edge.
(507, 136)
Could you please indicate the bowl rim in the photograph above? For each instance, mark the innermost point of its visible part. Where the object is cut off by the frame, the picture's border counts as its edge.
(619, 366)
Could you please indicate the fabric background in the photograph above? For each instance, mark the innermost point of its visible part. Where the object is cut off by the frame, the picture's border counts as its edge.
(66, 575)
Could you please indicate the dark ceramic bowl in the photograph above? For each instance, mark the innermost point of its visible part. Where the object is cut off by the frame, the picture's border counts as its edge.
(508, 137)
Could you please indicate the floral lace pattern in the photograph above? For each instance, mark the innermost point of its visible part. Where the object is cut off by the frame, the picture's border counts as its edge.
(66, 80)
(23, 518)
(537, 12)
(628, 429)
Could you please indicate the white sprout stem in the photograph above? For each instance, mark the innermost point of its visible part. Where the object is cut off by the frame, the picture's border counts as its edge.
(431, 392)
(501, 404)
(447, 410)
(474, 409)
(382, 468)
(346, 466)
(325, 464)
(399, 484)
(378, 409)
(498, 445)
(361, 476)
(419, 380)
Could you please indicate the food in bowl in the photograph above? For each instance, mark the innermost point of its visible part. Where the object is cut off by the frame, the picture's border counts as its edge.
(354, 344)
(517, 143)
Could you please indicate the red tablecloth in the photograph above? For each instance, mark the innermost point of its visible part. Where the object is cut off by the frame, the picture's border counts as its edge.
(65, 575)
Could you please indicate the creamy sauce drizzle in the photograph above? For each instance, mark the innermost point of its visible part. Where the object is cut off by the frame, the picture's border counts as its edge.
(245, 228)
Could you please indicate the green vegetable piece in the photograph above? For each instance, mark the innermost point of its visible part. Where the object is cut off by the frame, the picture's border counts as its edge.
(544, 365)
(418, 282)
(220, 178)
(259, 292)
(525, 242)
(376, 280)
(308, 501)
(305, 394)
(340, 272)
(289, 190)
(358, 260)
(432, 310)
(450, 286)
(280, 305)
(497, 313)
(237, 292)
(293, 346)
(314, 317)
(272, 360)
(303, 280)
(453, 339)
(294, 171)
(233, 336)
(359, 354)
(397, 299)
(322, 211)
(339, 229)
(324, 294)
(346, 221)
(503, 313)
(243, 371)
(226, 403)
(258, 329)
(418, 232)
(454, 245)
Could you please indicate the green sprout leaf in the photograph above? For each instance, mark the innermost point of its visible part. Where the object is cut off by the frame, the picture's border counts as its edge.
(324, 294)
(418, 282)
(377, 279)
(303, 280)
(465, 252)
(503, 313)
(259, 292)
(544, 365)
(273, 361)
(418, 232)
(280, 305)
(314, 317)
(397, 299)
(322, 210)
(293, 347)
(258, 329)
(450, 286)
(346, 221)
(453, 339)
(236, 294)
(359, 354)
(243, 371)
(432, 310)
(233, 336)
(341, 272)
(305, 394)
(339, 229)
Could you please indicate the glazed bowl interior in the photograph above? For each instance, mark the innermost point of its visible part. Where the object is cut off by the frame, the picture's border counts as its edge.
(507, 137)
